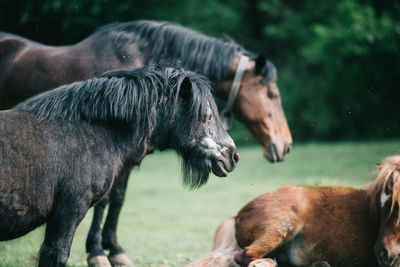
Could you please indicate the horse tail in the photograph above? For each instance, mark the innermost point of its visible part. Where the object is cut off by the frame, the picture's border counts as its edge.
(225, 247)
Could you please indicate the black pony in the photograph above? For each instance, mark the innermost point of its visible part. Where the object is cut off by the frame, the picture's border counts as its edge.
(61, 151)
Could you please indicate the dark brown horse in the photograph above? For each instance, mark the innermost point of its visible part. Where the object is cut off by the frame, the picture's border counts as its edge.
(315, 226)
(61, 151)
(27, 68)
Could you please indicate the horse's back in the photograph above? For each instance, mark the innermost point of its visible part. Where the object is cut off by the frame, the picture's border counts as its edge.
(318, 221)
(28, 68)
(11, 47)
(24, 199)
(43, 163)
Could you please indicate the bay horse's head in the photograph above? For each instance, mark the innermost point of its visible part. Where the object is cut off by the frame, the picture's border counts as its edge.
(258, 106)
(196, 130)
(386, 197)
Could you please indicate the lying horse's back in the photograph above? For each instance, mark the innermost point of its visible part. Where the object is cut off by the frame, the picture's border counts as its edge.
(301, 225)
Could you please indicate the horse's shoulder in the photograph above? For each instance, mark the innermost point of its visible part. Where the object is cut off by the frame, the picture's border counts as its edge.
(10, 42)
(10, 47)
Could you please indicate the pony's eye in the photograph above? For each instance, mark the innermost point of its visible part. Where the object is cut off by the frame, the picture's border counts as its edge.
(387, 207)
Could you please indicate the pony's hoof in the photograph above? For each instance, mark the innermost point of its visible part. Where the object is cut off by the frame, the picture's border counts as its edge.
(99, 261)
(121, 260)
(262, 263)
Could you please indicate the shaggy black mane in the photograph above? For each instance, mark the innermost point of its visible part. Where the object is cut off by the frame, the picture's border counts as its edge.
(134, 97)
(196, 51)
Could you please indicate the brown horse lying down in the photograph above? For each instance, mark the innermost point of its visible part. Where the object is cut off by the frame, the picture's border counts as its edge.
(315, 226)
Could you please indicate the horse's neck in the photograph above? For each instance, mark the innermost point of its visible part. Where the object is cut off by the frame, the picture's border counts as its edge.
(131, 151)
(223, 87)
(106, 57)
(131, 57)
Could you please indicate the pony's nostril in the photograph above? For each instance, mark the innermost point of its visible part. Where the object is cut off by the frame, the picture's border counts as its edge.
(235, 157)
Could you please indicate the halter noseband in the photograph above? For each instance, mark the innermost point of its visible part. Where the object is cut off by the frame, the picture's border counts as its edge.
(226, 113)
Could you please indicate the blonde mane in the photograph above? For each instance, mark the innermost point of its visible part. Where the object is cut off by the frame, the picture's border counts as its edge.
(387, 178)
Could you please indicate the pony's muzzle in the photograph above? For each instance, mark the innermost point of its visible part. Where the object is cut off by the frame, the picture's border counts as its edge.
(227, 163)
(233, 157)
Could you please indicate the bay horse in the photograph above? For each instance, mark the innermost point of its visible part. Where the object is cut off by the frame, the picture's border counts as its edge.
(247, 81)
(315, 226)
(61, 151)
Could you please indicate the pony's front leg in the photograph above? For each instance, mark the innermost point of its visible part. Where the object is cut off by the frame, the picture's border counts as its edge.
(117, 255)
(94, 248)
(60, 230)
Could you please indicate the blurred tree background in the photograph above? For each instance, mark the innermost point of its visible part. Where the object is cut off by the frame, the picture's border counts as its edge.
(338, 61)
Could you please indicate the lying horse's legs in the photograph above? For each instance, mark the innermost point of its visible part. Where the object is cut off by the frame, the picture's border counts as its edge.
(271, 238)
(97, 257)
(263, 263)
(257, 250)
(117, 254)
(60, 230)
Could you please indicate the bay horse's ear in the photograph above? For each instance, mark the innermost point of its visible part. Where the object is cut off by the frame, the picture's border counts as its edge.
(260, 60)
(185, 90)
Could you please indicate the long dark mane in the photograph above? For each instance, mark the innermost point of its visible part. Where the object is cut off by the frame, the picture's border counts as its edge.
(131, 96)
(134, 97)
(196, 51)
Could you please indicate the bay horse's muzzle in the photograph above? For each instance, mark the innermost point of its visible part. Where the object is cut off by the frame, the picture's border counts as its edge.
(276, 152)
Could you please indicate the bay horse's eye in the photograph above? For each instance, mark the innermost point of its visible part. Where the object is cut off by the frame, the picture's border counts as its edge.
(271, 94)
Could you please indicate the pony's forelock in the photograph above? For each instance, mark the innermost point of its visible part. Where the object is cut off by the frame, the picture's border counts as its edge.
(387, 176)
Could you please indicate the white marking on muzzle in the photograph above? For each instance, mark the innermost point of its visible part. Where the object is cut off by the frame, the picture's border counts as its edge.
(384, 198)
(212, 148)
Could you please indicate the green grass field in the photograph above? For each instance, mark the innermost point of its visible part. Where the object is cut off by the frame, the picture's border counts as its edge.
(162, 224)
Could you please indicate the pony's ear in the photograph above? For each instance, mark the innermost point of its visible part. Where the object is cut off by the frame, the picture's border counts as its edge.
(185, 90)
(260, 60)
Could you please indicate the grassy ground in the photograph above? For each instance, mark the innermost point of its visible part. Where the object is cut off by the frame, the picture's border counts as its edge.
(162, 224)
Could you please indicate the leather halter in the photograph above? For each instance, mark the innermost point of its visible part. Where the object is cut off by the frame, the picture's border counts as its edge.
(227, 112)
